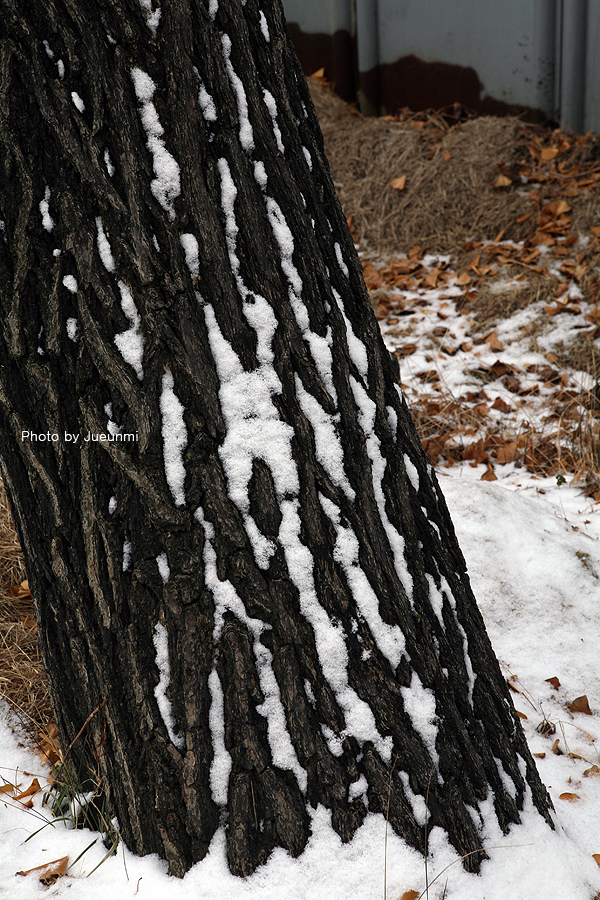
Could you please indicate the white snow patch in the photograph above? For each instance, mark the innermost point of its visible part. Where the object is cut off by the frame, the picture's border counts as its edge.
(260, 174)
(272, 107)
(161, 645)
(207, 105)
(220, 766)
(329, 637)
(329, 451)
(389, 638)
(152, 18)
(163, 567)
(190, 248)
(61, 69)
(356, 348)
(419, 703)
(111, 426)
(340, 259)
(175, 438)
(167, 185)
(112, 505)
(307, 157)
(280, 742)
(366, 418)
(213, 6)
(104, 250)
(411, 471)
(70, 282)
(254, 428)
(72, 330)
(47, 220)
(264, 27)
(246, 133)
(127, 556)
(78, 101)
(108, 163)
(48, 50)
(130, 343)
(392, 420)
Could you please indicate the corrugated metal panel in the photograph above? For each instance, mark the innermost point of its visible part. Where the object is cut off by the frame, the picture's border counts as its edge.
(535, 56)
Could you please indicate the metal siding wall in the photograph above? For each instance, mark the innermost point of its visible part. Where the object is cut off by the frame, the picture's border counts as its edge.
(542, 54)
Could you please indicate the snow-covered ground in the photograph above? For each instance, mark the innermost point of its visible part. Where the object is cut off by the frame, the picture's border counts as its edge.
(533, 550)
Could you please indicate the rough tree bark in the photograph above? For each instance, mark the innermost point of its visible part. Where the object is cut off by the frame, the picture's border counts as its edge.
(258, 602)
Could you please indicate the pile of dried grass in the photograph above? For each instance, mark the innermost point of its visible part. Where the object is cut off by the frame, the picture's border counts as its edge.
(451, 192)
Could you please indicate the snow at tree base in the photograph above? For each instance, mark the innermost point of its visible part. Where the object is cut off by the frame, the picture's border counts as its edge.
(256, 619)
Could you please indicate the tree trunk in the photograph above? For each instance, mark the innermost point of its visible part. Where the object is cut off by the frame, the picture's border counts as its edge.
(249, 591)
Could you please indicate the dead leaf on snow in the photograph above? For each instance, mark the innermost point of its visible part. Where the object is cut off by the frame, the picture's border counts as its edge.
(580, 704)
(51, 871)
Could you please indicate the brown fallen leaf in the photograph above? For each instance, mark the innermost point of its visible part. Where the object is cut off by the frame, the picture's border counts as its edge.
(520, 714)
(596, 857)
(554, 682)
(493, 341)
(555, 748)
(580, 704)
(540, 755)
(592, 772)
(398, 183)
(51, 871)
(7, 788)
(569, 796)
(488, 475)
(21, 591)
(414, 895)
(506, 453)
(33, 788)
(502, 181)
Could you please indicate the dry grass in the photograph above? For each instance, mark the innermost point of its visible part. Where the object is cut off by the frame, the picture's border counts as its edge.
(22, 679)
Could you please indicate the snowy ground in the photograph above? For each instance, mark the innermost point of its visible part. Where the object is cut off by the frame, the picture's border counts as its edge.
(533, 550)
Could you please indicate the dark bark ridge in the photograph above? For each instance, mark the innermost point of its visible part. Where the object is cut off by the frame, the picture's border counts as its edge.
(265, 586)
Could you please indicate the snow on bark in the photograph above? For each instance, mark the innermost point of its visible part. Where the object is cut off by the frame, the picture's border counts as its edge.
(329, 636)
(366, 417)
(161, 645)
(356, 348)
(226, 599)
(328, 446)
(272, 107)
(163, 567)
(190, 248)
(254, 427)
(130, 343)
(389, 638)
(72, 330)
(152, 17)
(78, 102)
(47, 220)
(419, 703)
(70, 282)
(166, 186)
(264, 27)
(175, 438)
(207, 104)
(246, 132)
(104, 250)
(108, 163)
(320, 347)
(220, 766)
